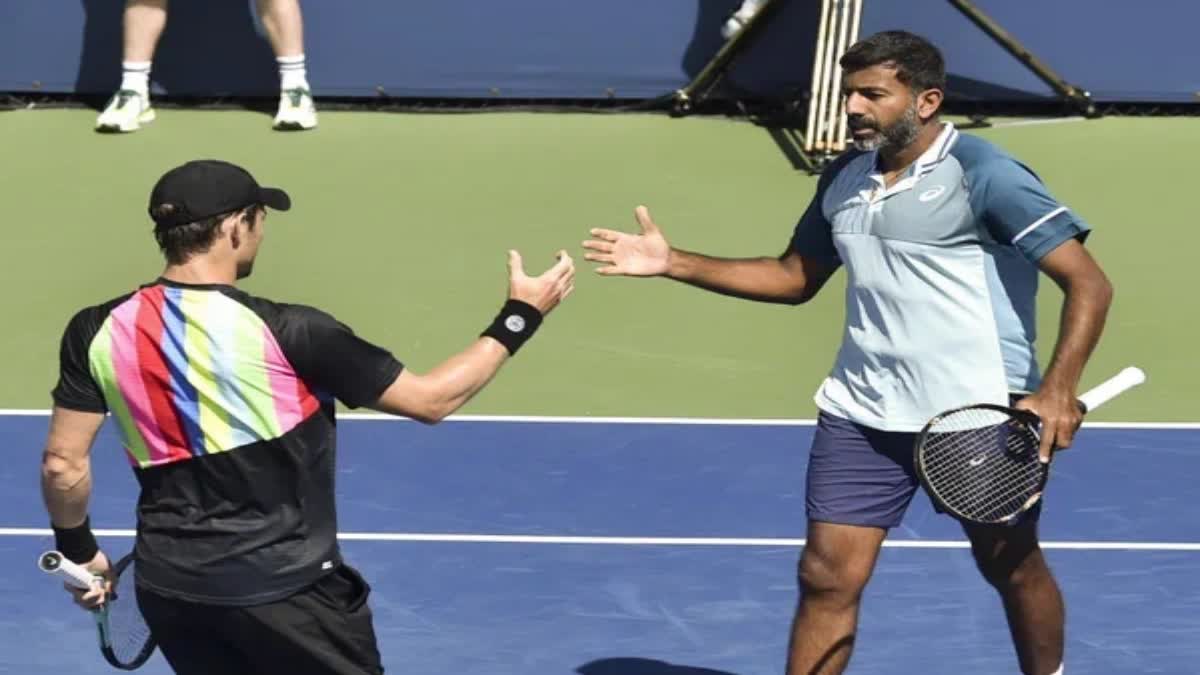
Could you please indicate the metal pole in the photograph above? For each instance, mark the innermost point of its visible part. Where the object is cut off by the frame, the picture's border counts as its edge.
(818, 78)
(1080, 98)
(698, 88)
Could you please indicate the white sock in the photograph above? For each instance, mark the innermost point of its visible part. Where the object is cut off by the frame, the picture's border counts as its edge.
(135, 76)
(291, 72)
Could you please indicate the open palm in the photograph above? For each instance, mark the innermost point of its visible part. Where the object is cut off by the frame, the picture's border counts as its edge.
(636, 255)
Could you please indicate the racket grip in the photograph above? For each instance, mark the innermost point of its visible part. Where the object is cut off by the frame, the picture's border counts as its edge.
(53, 562)
(1111, 388)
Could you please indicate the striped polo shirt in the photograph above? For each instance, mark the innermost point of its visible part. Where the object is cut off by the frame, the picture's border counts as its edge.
(225, 406)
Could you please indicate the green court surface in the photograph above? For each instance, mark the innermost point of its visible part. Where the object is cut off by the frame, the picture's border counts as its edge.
(401, 223)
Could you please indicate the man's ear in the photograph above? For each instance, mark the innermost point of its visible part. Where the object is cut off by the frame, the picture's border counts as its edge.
(929, 102)
(235, 238)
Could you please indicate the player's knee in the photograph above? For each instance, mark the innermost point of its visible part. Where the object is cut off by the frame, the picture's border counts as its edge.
(1017, 569)
(833, 576)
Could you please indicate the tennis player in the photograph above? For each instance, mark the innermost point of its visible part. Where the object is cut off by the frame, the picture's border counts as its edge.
(225, 406)
(942, 236)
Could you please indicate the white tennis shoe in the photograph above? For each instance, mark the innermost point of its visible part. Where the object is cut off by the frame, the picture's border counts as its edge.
(296, 110)
(126, 111)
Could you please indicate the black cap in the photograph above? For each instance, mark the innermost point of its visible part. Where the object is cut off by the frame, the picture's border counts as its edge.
(208, 187)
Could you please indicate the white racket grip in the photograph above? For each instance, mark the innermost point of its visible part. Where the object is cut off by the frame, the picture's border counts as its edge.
(1113, 387)
(53, 562)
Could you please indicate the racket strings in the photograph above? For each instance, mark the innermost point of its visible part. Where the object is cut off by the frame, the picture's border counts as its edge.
(127, 630)
(999, 480)
(982, 463)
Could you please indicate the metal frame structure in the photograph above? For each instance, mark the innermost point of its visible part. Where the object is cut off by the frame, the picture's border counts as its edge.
(824, 135)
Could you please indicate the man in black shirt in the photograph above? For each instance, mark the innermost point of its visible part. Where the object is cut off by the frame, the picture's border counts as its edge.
(225, 404)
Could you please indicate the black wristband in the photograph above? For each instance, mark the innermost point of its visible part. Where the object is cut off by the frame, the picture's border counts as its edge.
(516, 323)
(77, 544)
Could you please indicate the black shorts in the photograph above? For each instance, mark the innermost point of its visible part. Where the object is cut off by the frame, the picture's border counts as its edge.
(323, 630)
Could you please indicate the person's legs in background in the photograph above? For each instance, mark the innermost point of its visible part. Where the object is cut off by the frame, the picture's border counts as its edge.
(129, 108)
(285, 29)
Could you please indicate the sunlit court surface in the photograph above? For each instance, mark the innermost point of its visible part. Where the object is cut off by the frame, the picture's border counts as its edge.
(668, 546)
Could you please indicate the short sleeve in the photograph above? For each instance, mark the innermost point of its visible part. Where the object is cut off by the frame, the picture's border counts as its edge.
(813, 236)
(1018, 210)
(329, 356)
(76, 388)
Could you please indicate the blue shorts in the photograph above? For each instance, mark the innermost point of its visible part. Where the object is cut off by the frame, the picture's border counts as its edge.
(858, 475)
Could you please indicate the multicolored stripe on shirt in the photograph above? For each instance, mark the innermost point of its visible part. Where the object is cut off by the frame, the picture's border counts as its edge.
(188, 372)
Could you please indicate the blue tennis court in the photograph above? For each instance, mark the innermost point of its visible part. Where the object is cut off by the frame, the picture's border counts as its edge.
(621, 547)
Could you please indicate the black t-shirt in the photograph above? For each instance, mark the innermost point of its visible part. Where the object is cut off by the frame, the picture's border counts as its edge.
(225, 404)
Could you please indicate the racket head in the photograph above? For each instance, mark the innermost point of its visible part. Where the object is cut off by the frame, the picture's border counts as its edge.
(125, 639)
(980, 463)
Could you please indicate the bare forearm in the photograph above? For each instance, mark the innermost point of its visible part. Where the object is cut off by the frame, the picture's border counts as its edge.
(429, 398)
(1085, 308)
(66, 489)
(463, 375)
(762, 279)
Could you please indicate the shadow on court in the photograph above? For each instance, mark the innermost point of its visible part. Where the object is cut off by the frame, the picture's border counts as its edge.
(636, 666)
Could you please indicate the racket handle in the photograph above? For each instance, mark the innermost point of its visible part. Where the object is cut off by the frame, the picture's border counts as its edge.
(53, 562)
(1109, 389)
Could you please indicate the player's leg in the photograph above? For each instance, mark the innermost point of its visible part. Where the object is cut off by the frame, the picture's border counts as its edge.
(325, 629)
(1012, 562)
(860, 481)
(186, 635)
(143, 25)
(285, 29)
(129, 108)
(834, 569)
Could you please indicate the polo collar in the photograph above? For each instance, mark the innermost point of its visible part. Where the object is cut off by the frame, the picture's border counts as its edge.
(934, 155)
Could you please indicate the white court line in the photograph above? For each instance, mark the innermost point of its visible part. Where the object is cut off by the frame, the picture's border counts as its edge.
(660, 541)
(696, 421)
(566, 419)
(1034, 122)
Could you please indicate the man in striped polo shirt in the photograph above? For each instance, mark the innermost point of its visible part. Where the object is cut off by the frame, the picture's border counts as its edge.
(942, 236)
(225, 406)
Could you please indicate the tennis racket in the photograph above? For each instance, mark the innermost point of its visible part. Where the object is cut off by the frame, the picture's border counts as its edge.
(125, 639)
(980, 463)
